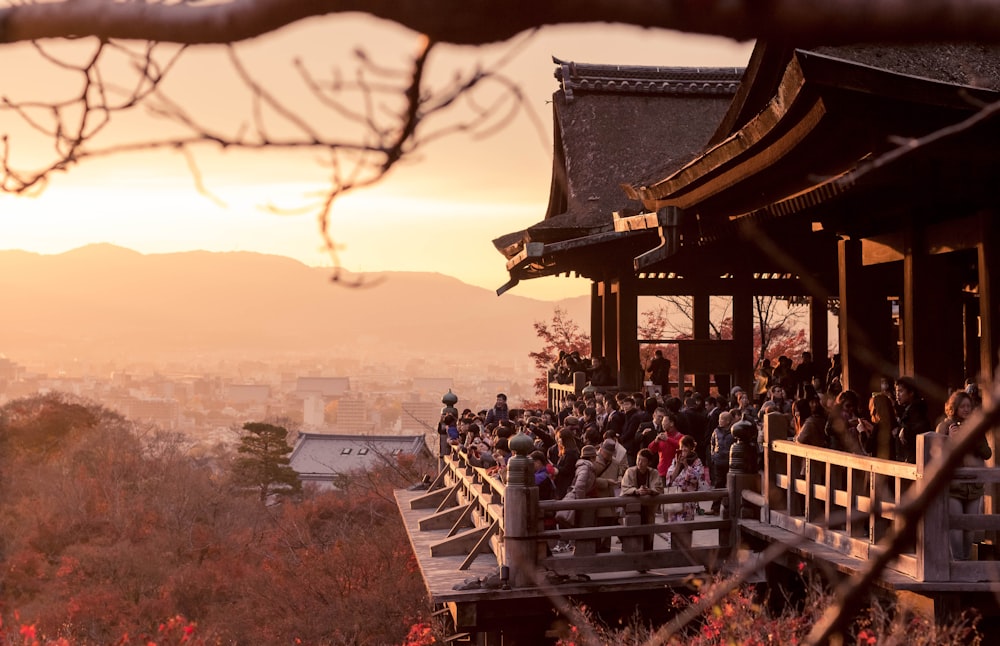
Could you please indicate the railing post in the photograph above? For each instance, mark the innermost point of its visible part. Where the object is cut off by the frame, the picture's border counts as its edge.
(776, 427)
(579, 381)
(742, 474)
(520, 515)
(933, 545)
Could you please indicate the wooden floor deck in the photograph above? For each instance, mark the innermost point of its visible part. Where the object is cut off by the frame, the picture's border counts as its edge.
(441, 573)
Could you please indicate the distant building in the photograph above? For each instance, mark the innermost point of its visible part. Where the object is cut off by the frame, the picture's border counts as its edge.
(325, 386)
(322, 458)
(352, 416)
(313, 410)
(247, 393)
(420, 417)
(163, 412)
(433, 385)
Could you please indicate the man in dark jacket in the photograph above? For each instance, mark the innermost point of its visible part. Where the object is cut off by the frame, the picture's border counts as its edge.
(499, 412)
(912, 417)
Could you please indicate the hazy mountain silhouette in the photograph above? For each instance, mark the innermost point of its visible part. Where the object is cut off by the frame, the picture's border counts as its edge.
(103, 301)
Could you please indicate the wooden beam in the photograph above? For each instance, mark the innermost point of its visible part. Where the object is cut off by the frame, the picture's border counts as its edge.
(864, 322)
(629, 370)
(773, 284)
(459, 544)
(432, 499)
(819, 329)
(743, 324)
(478, 548)
(700, 320)
(609, 306)
(446, 519)
(596, 320)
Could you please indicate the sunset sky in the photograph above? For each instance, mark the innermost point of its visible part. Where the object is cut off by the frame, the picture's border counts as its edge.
(438, 214)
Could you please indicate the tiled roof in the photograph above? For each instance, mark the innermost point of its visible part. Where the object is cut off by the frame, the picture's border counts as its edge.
(322, 456)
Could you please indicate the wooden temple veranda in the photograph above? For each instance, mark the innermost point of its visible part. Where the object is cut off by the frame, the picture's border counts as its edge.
(860, 180)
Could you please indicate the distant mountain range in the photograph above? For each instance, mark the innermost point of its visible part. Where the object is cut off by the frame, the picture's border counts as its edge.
(106, 302)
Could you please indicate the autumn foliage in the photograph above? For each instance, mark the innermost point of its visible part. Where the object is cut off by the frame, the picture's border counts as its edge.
(110, 533)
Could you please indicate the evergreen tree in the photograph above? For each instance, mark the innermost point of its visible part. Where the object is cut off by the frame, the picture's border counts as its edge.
(264, 461)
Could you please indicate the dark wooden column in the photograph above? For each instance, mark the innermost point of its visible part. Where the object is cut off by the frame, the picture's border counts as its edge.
(743, 324)
(596, 319)
(988, 252)
(926, 319)
(819, 328)
(700, 320)
(629, 370)
(864, 323)
(609, 305)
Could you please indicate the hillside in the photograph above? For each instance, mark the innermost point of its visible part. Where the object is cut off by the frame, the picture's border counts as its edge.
(103, 301)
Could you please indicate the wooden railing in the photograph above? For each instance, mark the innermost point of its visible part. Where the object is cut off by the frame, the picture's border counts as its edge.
(851, 502)
(483, 513)
(558, 393)
(846, 502)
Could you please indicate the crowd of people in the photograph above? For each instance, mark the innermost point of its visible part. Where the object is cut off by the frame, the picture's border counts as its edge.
(634, 444)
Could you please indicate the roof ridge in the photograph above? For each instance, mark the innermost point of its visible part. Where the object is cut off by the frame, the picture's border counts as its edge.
(646, 79)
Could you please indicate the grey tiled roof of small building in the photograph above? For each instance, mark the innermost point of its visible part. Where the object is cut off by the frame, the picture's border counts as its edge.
(323, 454)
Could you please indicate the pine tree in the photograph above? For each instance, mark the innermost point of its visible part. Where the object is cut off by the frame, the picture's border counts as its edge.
(264, 461)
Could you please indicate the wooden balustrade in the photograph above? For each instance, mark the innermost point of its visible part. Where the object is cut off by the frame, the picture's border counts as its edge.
(851, 503)
(842, 501)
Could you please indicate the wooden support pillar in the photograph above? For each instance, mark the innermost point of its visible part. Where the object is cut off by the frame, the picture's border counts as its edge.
(988, 257)
(927, 323)
(609, 303)
(819, 328)
(596, 319)
(743, 325)
(700, 319)
(629, 370)
(864, 324)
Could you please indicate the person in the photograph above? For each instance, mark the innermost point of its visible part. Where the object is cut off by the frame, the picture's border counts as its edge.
(544, 474)
(583, 482)
(608, 475)
(665, 446)
(722, 442)
(641, 480)
(843, 425)
(809, 427)
(912, 419)
(964, 497)
(804, 373)
(499, 412)
(600, 374)
(451, 429)
(762, 380)
(567, 457)
(659, 372)
(877, 433)
(686, 472)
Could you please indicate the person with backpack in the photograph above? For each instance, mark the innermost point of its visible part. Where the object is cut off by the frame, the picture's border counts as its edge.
(722, 442)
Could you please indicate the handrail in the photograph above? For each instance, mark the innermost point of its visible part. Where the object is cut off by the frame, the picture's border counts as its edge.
(850, 502)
